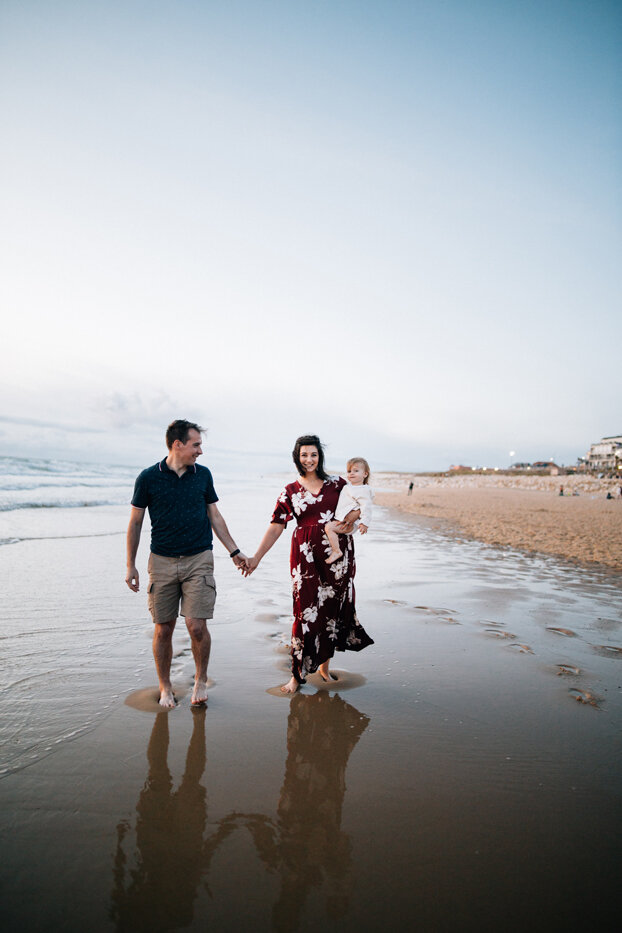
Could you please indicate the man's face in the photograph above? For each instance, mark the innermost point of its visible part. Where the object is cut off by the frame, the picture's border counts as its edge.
(189, 451)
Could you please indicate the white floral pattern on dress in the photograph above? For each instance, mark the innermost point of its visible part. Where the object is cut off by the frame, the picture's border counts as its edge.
(310, 614)
(300, 500)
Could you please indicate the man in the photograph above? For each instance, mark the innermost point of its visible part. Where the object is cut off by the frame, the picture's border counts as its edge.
(182, 507)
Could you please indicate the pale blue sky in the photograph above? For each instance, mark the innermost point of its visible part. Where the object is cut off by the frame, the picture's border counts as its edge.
(394, 224)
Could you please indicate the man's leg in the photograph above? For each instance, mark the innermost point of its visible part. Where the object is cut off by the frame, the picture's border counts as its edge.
(163, 655)
(201, 644)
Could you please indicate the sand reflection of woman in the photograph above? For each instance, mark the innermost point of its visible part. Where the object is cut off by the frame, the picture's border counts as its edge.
(306, 845)
(323, 594)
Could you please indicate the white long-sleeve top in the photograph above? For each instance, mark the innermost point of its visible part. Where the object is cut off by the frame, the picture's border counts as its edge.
(355, 497)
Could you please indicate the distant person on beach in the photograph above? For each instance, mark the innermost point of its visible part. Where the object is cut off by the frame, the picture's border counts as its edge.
(323, 594)
(561, 490)
(356, 495)
(410, 488)
(181, 499)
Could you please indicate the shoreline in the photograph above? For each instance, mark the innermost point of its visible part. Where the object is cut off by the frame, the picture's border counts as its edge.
(526, 513)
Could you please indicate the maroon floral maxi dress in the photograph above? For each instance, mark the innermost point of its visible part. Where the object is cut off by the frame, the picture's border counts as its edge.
(324, 612)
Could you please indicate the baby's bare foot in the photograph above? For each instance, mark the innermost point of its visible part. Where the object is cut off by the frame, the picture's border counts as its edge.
(335, 555)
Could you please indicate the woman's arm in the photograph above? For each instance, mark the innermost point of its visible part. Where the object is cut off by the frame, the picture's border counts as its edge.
(272, 535)
(347, 525)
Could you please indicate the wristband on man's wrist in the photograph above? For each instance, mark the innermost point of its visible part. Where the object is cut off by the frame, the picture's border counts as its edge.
(235, 553)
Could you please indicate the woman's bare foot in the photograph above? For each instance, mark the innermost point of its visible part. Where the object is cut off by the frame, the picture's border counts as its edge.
(167, 699)
(199, 694)
(335, 555)
(291, 686)
(325, 674)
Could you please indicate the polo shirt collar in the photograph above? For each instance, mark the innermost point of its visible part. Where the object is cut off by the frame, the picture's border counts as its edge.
(165, 468)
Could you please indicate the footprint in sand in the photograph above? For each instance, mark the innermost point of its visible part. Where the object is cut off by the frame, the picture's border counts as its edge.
(266, 617)
(494, 624)
(608, 651)
(443, 615)
(584, 696)
(394, 602)
(522, 649)
(283, 645)
(565, 669)
(495, 633)
(436, 611)
(566, 632)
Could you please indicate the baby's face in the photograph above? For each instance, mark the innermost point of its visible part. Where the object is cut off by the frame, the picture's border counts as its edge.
(356, 474)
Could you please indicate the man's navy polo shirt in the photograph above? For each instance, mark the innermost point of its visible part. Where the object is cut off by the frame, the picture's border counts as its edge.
(177, 508)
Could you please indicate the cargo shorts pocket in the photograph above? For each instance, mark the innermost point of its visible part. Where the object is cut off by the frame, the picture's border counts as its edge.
(162, 600)
(199, 597)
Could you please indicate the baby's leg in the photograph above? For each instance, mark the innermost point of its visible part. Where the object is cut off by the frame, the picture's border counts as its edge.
(333, 540)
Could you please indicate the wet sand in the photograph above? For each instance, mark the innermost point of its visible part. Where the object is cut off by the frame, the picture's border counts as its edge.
(467, 777)
(519, 512)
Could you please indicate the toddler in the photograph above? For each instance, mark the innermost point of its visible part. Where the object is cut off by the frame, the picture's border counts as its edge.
(355, 495)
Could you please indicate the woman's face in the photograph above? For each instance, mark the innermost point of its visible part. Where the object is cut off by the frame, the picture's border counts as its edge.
(309, 458)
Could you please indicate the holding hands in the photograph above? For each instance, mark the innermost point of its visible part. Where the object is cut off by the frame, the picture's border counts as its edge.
(251, 564)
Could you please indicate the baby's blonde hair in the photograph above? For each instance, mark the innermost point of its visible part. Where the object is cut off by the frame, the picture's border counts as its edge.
(363, 463)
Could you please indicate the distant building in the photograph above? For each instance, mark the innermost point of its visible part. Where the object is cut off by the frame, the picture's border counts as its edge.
(545, 465)
(539, 466)
(605, 455)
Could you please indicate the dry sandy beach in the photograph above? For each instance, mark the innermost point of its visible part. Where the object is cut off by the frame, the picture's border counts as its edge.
(464, 775)
(523, 512)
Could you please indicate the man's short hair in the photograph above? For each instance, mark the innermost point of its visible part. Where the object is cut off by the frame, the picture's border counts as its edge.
(179, 431)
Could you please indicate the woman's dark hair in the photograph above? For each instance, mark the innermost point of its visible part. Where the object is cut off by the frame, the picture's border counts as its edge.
(309, 440)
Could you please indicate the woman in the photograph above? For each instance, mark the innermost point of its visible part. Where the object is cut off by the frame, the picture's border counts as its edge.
(324, 613)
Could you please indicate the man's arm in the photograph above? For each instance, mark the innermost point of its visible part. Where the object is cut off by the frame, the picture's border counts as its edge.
(133, 539)
(222, 533)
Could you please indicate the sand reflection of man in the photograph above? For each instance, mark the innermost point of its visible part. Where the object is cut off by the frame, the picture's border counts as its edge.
(159, 890)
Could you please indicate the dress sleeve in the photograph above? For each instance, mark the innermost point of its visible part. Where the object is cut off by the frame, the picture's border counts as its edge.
(283, 510)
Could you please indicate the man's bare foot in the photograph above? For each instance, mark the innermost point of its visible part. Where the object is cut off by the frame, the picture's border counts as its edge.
(199, 694)
(335, 555)
(167, 699)
(291, 686)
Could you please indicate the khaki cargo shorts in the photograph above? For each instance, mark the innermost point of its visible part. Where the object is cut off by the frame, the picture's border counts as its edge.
(189, 578)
